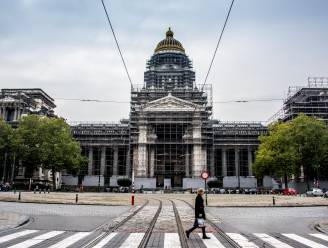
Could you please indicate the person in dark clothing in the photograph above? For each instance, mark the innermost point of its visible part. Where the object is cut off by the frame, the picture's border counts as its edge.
(199, 214)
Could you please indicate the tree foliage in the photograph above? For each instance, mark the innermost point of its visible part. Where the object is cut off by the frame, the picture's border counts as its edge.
(48, 143)
(290, 146)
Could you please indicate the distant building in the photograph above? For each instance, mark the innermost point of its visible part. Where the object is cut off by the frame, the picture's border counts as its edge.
(15, 103)
(311, 100)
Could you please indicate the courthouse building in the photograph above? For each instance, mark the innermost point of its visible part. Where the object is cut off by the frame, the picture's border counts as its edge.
(171, 136)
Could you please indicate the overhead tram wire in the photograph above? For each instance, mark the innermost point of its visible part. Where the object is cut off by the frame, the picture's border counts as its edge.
(126, 102)
(117, 45)
(217, 45)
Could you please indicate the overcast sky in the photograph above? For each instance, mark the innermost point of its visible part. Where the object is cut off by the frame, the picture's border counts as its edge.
(66, 48)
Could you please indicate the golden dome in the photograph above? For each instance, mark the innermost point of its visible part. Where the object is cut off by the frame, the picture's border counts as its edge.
(169, 43)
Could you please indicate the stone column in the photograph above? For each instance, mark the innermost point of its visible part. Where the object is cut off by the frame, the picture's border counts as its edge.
(128, 163)
(198, 161)
(103, 161)
(141, 163)
(90, 160)
(250, 162)
(212, 167)
(152, 161)
(115, 161)
(237, 172)
(187, 161)
(224, 162)
(16, 114)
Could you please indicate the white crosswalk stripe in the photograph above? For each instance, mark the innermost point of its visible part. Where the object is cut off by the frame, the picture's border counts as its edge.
(304, 241)
(70, 240)
(242, 241)
(105, 240)
(271, 241)
(213, 242)
(171, 240)
(37, 239)
(16, 235)
(320, 236)
(20, 239)
(133, 240)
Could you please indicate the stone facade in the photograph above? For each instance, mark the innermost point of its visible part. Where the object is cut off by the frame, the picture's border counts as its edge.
(170, 137)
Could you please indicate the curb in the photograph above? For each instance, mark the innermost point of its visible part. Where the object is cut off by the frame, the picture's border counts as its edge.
(319, 228)
(68, 203)
(268, 206)
(24, 222)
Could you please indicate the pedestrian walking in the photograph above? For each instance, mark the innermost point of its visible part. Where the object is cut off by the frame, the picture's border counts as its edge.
(199, 214)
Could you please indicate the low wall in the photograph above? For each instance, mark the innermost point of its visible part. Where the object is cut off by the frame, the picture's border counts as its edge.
(245, 182)
(145, 183)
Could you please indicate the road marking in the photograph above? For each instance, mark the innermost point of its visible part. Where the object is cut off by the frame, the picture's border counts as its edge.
(16, 235)
(320, 236)
(37, 239)
(171, 240)
(133, 240)
(70, 240)
(213, 242)
(105, 240)
(272, 241)
(304, 241)
(241, 240)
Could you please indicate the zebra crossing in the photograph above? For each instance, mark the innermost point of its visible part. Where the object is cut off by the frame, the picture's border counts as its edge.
(65, 239)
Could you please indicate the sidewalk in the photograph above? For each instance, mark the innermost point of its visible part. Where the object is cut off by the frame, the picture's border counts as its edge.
(12, 220)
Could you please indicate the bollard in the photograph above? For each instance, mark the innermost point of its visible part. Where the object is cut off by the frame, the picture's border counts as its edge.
(19, 196)
(132, 199)
(273, 201)
(76, 198)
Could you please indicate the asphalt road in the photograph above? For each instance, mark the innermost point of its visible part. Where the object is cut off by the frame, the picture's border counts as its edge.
(64, 217)
(269, 220)
(243, 220)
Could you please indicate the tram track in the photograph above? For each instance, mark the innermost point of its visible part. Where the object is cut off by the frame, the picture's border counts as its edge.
(181, 231)
(112, 229)
(146, 237)
(219, 231)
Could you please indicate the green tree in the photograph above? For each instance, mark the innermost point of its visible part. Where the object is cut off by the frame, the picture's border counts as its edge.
(277, 154)
(310, 137)
(48, 143)
(29, 143)
(7, 148)
(290, 146)
(59, 150)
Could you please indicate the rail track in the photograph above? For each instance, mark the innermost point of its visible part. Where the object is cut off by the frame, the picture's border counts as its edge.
(149, 231)
(219, 231)
(96, 240)
(181, 231)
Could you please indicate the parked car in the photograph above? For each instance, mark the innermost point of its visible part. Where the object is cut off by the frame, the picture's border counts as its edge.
(315, 192)
(252, 191)
(222, 191)
(325, 195)
(289, 191)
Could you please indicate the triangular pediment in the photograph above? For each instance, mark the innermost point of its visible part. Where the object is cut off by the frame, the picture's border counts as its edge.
(170, 103)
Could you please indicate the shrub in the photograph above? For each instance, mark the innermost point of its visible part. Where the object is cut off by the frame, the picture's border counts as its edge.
(215, 183)
(124, 182)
